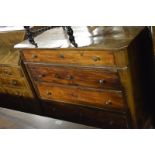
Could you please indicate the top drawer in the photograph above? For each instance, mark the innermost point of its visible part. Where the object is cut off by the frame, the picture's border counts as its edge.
(77, 57)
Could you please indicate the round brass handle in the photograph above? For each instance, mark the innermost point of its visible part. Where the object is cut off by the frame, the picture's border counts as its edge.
(69, 77)
(34, 56)
(102, 81)
(57, 76)
(41, 75)
(14, 82)
(48, 93)
(61, 56)
(109, 102)
(17, 93)
(96, 58)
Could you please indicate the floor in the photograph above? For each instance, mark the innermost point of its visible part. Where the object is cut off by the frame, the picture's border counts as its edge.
(10, 119)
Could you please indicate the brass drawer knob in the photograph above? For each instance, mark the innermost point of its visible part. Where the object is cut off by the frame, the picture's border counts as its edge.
(34, 56)
(74, 95)
(62, 56)
(96, 58)
(48, 93)
(57, 76)
(41, 75)
(69, 77)
(102, 81)
(109, 102)
(14, 82)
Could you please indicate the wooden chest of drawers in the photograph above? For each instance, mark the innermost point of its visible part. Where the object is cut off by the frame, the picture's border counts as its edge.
(111, 76)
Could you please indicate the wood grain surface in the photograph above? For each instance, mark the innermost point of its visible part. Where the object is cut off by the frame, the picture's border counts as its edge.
(90, 97)
(94, 58)
(102, 78)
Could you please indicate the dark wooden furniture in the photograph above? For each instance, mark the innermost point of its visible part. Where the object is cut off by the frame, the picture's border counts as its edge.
(106, 81)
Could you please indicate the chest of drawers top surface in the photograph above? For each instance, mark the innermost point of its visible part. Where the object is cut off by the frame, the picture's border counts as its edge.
(99, 37)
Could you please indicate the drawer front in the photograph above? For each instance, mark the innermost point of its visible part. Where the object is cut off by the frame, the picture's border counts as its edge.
(76, 76)
(17, 92)
(95, 58)
(90, 116)
(12, 82)
(76, 95)
(10, 71)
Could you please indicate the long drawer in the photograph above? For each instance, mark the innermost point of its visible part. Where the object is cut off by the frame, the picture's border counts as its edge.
(10, 71)
(92, 116)
(77, 57)
(13, 82)
(76, 76)
(82, 96)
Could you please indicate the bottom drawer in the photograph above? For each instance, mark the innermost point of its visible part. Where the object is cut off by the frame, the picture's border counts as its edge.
(77, 95)
(85, 115)
(17, 92)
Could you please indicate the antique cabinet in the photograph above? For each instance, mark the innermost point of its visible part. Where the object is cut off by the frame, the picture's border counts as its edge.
(15, 90)
(106, 81)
